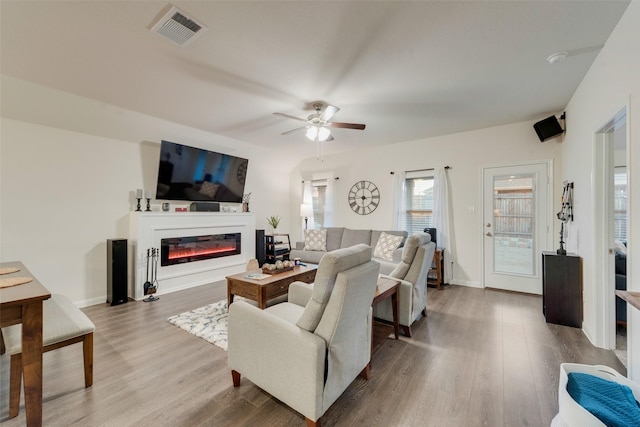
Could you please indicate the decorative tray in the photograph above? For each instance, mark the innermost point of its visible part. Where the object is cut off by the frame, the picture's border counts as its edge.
(282, 270)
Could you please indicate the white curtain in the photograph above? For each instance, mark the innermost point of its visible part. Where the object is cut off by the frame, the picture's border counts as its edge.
(329, 203)
(307, 198)
(442, 220)
(400, 214)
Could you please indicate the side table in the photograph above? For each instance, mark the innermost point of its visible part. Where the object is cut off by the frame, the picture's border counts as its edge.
(437, 268)
(387, 287)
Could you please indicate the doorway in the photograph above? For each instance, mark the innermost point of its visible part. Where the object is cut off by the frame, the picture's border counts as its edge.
(611, 228)
(516, 217)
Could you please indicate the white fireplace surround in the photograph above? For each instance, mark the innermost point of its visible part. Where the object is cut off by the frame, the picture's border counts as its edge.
(146, 229)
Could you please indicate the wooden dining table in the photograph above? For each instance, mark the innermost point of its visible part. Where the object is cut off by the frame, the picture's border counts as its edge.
(23, 304)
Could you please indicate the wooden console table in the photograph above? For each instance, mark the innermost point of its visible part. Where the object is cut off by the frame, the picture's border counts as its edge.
(23, 304)
(633, 298)
(437, 268)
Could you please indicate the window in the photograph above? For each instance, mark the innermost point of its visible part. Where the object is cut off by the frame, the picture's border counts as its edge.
(418, 201)
(319, 202)
(620, 203)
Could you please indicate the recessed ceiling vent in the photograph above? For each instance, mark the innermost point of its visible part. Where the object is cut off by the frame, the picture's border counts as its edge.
(177, 26)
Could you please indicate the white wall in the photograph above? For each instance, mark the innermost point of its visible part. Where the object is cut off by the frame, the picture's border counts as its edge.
(611, 84)
(68, 170)
(466, 153)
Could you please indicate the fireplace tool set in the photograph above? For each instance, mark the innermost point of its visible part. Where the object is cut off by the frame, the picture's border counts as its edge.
(151, 287)
(566, 213)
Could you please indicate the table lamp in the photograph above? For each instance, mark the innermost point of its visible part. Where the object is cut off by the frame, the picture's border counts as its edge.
(306, 210)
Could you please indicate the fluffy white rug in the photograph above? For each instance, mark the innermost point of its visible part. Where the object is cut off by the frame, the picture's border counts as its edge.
(208, 322)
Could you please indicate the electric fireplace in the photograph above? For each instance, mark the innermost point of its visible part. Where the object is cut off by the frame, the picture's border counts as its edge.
(179, 250)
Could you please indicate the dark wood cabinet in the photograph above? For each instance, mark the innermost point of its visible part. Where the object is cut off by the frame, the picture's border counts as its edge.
(562, 289)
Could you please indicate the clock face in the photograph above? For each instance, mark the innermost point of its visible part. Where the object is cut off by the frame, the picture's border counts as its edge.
(364, 197)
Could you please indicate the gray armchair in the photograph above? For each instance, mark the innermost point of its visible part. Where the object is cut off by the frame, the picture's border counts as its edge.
(412, 271)
(306, 351)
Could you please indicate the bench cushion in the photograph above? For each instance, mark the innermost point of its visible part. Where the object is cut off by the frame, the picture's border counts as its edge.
(61, 321)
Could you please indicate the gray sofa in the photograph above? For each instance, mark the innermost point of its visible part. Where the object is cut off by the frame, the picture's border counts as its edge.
(342, 237)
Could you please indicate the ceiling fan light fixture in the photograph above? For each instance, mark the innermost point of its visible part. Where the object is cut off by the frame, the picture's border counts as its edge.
(323, 133)
(312, 132)
(319, 133)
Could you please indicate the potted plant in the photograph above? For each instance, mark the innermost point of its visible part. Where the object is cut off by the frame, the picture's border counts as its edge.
(273, 221)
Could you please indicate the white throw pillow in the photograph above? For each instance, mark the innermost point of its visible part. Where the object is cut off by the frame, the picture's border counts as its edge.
(387, 243)
(315, 240)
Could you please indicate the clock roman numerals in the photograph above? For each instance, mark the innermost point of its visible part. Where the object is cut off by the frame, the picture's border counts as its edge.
(364, 197)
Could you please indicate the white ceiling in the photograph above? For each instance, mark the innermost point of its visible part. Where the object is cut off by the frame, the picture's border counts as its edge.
(409, 70)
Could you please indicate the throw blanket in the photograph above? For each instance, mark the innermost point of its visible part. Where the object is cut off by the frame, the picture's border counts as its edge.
(611, 402)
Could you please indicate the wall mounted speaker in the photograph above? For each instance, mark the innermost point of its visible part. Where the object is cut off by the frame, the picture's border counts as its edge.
(117, 275)
(548, 128)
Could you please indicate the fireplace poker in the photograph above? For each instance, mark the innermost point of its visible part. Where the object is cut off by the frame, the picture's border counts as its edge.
(147, 284)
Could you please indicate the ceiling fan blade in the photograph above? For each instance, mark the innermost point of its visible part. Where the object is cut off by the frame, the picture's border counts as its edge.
(328, 112)
(293, 130)
(358, 126)
(290, 117)
(329, 138)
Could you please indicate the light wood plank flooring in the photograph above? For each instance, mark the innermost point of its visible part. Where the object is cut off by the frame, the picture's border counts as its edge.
(481, 357)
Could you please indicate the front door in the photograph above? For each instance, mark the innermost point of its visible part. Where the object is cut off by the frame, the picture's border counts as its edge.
(516, 226)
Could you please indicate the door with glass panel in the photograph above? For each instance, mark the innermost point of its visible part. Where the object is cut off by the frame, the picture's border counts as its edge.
(515, 226)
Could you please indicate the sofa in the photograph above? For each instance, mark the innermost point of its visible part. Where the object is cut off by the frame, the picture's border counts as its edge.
(621, 284)
(342, 237)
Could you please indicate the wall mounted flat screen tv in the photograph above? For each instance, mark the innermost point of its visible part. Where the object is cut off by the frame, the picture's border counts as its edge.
(195, 174)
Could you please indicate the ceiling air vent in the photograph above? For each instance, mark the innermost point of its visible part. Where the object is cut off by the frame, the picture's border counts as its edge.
(178, 27)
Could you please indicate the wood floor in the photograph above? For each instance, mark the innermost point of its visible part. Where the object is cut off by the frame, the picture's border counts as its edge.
(482, 357)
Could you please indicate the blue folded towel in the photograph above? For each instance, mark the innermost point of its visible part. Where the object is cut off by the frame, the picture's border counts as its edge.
(611, 402)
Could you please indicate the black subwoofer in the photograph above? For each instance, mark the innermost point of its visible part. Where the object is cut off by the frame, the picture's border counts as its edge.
(260, 253)
(117, 277)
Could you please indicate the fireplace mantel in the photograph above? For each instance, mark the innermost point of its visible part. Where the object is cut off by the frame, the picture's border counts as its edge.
(146, 229)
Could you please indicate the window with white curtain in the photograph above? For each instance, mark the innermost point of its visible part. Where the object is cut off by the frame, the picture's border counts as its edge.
(319, 201)
(417, 211)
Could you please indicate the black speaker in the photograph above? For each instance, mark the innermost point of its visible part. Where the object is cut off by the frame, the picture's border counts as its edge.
(204, 207)
(432, 232)
(117, 277)
(260, 253)
(548, 128)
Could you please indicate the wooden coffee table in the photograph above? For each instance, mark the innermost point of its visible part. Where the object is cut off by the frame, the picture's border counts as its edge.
(262, 290)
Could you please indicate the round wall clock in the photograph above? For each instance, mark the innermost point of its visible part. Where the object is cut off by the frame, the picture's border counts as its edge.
(364, 197)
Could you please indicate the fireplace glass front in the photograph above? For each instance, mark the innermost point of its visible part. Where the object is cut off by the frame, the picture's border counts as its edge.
(178, 250)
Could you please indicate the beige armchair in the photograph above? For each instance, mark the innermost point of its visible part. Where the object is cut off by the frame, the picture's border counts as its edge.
(305, 352)
(412, 271)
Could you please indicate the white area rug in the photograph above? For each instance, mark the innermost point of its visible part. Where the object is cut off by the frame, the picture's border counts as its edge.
(208, 322)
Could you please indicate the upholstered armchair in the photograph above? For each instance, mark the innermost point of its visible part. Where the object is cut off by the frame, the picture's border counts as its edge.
(305, 352)
(412, 271)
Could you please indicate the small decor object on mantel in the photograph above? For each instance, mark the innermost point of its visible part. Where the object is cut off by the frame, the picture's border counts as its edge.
(245, 202)
(565, 214)
(274, 221)
(138, 198)
(147, 195)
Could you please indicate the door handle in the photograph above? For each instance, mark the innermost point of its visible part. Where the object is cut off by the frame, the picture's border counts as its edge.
(488, 233)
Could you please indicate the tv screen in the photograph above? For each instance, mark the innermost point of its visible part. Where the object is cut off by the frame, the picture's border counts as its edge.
(195, 174)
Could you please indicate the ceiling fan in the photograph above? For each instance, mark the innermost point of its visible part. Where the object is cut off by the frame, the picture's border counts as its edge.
(317, 125)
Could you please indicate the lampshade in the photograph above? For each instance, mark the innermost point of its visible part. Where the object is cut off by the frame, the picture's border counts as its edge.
(306, 210)
(319, 132)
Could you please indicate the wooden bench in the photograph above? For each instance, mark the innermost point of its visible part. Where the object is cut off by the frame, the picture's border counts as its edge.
(63, 324)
